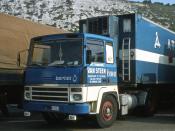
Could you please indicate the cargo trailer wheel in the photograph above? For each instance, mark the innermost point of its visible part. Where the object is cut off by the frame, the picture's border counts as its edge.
(108, 112)
(150, 107)
(52, 117)
(151, 104)
(4, 110)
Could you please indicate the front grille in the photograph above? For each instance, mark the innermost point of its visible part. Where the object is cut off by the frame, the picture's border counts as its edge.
(53, 94)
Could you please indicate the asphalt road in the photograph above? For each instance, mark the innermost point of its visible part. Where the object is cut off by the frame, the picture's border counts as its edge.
(16, 122)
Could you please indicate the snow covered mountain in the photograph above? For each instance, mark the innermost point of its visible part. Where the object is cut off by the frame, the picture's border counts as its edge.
(62, 13)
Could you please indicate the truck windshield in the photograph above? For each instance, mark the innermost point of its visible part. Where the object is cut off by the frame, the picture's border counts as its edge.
(64, 52)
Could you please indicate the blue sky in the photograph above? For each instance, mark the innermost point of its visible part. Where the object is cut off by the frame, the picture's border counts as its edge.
(163, 1)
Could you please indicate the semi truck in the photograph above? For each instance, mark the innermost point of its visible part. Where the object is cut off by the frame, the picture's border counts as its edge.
(114, 65)
(15, 35)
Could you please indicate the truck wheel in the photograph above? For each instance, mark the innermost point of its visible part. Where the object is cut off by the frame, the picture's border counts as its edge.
(108, 112)
(4, 110)
(151, 105)
(53, 118)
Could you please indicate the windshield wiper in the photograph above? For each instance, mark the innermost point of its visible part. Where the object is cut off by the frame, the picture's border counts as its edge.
(56, 63)
(36, 64)
(73, 63)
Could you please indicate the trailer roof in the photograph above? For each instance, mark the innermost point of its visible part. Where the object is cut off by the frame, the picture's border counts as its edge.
(158, 25)
(137, 15)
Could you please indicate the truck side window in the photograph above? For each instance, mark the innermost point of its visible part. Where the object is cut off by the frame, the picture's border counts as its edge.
(109, 53)
(97, 50)
(126, 25)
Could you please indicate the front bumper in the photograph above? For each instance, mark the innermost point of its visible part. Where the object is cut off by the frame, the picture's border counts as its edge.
(67, 108)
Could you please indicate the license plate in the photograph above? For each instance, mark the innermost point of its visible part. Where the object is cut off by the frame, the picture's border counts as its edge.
(55, 108)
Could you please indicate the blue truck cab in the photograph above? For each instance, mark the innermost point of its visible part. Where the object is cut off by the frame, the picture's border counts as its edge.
(70, 74)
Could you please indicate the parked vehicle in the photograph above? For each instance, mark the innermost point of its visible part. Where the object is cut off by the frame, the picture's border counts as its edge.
(11, 88)
(124, 67)
(15, 35)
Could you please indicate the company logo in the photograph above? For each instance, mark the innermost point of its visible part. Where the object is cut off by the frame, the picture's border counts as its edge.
(63, 78)
(171, 46)
(157, 42)
(67, 78)
(74, 78)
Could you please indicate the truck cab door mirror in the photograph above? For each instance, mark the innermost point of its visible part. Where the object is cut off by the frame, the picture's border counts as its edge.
(18, 60)
(22, 58)
(88, 56)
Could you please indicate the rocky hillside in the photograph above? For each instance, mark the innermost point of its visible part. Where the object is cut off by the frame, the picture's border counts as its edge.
(66, 13)
(158, 12)
(62, 13)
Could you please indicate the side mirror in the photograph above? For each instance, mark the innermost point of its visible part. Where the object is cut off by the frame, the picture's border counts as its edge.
(20, 56)
(18, 62)
(88, 56)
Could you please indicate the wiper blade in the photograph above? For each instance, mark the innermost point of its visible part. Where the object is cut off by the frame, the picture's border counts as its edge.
(72, 63)
(56, 63)
(36, 64)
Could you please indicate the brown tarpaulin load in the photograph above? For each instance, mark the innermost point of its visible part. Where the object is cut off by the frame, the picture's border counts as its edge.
(15, 35)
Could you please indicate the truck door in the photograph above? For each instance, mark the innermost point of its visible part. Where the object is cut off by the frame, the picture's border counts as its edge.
(95, 60)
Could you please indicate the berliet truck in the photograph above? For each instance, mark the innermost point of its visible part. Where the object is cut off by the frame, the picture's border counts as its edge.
(114, 65)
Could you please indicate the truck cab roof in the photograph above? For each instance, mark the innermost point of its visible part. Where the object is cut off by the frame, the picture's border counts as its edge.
(70, 35)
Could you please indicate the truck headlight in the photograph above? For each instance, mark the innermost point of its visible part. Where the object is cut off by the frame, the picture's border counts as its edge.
(27, 95)
(76, 97)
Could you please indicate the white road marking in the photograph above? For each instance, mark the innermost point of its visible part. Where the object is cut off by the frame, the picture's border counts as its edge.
(167, 115)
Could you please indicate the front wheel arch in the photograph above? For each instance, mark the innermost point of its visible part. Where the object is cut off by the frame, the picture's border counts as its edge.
(103, 92)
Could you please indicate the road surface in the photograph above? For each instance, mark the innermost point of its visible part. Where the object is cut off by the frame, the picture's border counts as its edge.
(16, 122)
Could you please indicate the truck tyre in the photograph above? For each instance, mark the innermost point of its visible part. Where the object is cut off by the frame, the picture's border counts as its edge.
(150, 107)
(4, 110)
(151, 104)
(52, 117)
(3, 104)
(108, 112)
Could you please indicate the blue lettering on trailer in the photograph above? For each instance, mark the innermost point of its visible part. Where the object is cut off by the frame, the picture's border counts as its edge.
(157, 61)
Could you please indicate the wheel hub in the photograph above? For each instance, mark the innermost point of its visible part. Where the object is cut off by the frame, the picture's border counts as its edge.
(107, 111)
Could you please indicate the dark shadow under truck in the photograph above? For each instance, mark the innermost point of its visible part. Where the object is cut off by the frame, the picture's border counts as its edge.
(11, 88)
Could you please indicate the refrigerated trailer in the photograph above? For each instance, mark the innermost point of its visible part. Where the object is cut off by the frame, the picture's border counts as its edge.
(115, 64)
(145, 56)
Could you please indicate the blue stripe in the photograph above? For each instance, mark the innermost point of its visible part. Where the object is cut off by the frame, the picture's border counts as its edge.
(147, 72)
(76, 109)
